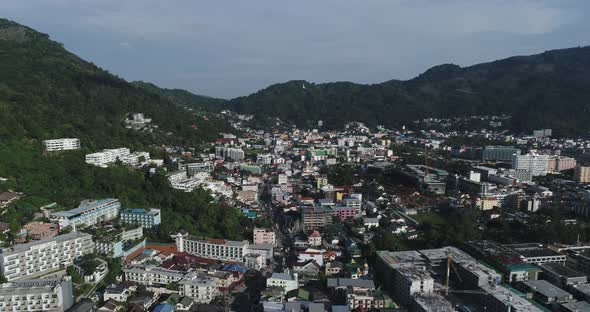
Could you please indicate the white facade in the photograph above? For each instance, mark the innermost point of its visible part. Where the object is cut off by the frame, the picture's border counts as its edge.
(287, 281)
(55, 295)
(107, 156)
(218, 249)
(229, 152)
(88, 213)
(535, 163)
(44, 255)
(61, 144)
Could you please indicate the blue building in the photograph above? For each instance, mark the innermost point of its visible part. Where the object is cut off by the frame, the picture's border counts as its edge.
(146, 218)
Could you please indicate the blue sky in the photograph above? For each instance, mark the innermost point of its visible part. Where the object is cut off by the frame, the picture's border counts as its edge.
(231, 48)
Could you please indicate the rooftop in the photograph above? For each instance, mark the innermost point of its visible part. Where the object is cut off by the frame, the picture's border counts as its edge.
(546, 288)
(85, 206)
(59, 238)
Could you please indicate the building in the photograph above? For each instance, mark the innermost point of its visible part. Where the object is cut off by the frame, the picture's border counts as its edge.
(113, 245)
(582, 174)
(404, 274)
(535, 163)
(562, 276)
(431, 303)
(107, 156)
(199, 287)
(359, 293)
(537, 254)
(88, 213)
(264, 236)
(152, 275)
(46, 255)
(218, 249)
(560, 163)
(254, 261)
(37, 231)
(501, 299)
(54, 295)
(546, 293)
(61, 144)
(499, 153)
(146, 218)
(314, 238)
(315, 217)
(286, 281)
(229, 152)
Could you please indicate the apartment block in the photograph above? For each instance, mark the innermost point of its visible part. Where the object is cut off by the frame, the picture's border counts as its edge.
(535, 163)
(229, 152)
(43, 256)
(316, 217)
(88, 213)
(264, 236)
(107, 156)
(582, 174)
(61, 144)
(499, 153)
(146, 218)
(218, 249)
(54, 295)
(199, 287)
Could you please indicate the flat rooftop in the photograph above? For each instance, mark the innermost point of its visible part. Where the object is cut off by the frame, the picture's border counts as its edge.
(547, 289)
(60, 238)
(85, 206)
(561, 270)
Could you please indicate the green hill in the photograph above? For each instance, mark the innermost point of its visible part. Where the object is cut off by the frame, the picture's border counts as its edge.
(551, 89)
(184, 98)
(48, 92)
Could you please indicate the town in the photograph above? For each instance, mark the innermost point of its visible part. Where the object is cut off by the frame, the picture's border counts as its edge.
(442, 215)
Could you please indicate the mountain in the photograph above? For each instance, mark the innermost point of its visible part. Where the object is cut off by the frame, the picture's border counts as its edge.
(48, 92)
(551, 89)
(184, 98)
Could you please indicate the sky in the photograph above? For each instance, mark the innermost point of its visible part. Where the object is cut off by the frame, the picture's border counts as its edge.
(226, 48)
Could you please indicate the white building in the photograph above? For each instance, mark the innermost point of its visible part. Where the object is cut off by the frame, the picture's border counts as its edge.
(201, 288)
(45, 255)
(287, 281)
(107, 156)
(88, 213)
(61, 144)
(535, 163)
(152, 275)
(55, 295)
(218, 249)
(229, 152)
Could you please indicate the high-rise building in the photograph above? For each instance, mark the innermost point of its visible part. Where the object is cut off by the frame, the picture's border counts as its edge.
(88, 213)
(535, 163)
(45, 255)
(61, 144)
(55, 295)
(582, 174)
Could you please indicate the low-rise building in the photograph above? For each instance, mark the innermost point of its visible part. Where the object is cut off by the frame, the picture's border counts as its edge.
(61, 144)
(286, 281)
(146, 218)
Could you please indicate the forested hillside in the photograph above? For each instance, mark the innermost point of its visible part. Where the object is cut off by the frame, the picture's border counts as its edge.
(551, 90)
(48, 92)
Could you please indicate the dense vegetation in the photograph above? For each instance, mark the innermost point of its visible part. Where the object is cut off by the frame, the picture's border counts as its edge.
(47, 92)
(549, 90)
(184, 98)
